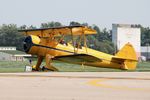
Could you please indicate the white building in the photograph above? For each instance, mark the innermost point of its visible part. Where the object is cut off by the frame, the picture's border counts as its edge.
(145, 51)
(124, 33)
(7, 48)
(11, 54)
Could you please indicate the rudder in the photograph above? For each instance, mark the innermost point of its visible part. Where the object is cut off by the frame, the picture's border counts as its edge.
(128, 53)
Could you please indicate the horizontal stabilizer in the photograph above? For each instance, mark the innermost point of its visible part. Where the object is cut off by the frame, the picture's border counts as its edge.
(120, 59)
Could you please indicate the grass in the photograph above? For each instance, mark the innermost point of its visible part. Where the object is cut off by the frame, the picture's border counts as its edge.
(144, 66)
(13, 66)
(66, 67)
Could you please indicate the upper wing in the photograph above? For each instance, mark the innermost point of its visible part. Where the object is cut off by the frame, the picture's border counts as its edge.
(77, 58)
(68, 30)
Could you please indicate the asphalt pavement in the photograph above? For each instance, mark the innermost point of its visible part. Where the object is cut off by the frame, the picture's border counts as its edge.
(75, 86)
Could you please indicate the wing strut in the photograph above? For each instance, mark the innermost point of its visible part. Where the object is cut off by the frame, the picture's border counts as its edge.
(73, 43)
(85, 45)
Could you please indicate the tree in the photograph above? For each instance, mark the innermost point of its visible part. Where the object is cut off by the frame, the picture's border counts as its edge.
(145, 36)
(103, 40)
(31, 27)
(74, 23)
(9, 36)
(51, 24)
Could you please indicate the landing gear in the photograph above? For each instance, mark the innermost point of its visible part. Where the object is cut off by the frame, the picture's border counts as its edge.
(48, 67)
(40, 59)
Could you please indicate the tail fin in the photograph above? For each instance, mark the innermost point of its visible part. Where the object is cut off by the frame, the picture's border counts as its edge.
(129, 55)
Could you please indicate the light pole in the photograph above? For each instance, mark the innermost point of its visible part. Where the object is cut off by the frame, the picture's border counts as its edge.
(147, 56)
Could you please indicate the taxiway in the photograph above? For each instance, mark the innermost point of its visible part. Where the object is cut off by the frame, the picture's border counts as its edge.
(75, 86)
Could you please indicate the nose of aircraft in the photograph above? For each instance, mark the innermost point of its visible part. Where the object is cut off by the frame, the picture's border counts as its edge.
(29, 42)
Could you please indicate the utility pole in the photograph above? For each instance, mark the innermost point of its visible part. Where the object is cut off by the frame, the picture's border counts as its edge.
(147, 56)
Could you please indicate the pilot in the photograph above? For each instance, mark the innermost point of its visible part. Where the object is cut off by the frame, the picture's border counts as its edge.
(63, 42)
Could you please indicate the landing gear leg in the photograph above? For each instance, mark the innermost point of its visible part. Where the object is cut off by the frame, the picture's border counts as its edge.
(40, 59)
(49, 66)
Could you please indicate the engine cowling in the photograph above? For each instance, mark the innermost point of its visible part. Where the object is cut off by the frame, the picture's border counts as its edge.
(30, 43)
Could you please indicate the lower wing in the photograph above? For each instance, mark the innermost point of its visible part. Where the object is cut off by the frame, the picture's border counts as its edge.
(77, 58)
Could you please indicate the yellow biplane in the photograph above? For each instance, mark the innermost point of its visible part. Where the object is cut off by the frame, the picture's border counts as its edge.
(68, 44)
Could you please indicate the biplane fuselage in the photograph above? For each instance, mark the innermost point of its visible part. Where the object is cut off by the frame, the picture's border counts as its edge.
(43, 44)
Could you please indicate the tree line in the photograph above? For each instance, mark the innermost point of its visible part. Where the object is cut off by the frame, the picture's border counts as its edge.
(102, 41)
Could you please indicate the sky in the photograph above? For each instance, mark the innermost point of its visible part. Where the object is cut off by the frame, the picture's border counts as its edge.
(99, 12)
